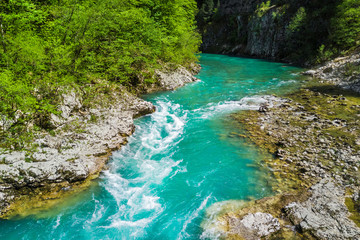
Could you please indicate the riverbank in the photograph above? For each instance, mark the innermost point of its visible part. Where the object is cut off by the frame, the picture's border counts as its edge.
(342, 71)
(313, 135)
(64, 161)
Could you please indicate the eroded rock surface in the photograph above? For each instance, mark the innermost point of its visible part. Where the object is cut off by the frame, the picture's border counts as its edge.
(316, 213)
(175, 79)
(313, 135)
(79, 149)
(254, 226)
(239, 30)
(343, 71)
(80, 144)
(324, 214)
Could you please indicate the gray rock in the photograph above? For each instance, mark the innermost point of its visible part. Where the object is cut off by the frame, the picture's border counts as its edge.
(337, 72)
(13, 157)
(264, 107)
(80, 147)
(324, 214)
(253, 226)
(71, 102)
(310, 72)
(175, 79)
(261, 223)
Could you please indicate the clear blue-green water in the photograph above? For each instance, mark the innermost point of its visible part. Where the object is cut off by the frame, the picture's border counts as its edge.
(180, 160)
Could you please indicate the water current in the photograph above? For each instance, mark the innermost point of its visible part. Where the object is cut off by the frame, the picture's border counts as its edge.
(180, 160)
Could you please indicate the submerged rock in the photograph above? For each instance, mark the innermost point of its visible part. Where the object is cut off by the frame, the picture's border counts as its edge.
(254, 226)
(313, 137)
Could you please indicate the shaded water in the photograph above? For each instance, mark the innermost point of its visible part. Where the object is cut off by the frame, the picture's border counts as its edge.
(180, 160)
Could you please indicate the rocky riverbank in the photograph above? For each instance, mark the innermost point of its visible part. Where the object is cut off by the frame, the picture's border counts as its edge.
(313, 135)
(343, 72)
(317, 213)
(64, 160)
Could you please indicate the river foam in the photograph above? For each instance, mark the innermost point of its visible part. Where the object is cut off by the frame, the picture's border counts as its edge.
(223, 107)
(181, 159)
(131, 179)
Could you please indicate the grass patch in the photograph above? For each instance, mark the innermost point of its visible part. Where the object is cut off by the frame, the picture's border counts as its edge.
(353, 207)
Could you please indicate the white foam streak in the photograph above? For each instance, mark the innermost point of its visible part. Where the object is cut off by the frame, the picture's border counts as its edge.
(148, 159)
(137, 167)
(97, 214)
(191, 217)
(286, 82)
(57, 223)
(246, 103)
(213, 225)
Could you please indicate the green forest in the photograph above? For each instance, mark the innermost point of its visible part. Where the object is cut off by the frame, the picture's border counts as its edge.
(50, 46)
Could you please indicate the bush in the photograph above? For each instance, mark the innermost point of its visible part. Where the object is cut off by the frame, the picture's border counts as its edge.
(346, 24)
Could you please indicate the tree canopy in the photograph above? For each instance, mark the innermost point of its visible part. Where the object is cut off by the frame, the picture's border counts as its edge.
(46, 45)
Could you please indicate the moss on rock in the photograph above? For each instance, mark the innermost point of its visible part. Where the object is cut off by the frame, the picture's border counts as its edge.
(312, 134)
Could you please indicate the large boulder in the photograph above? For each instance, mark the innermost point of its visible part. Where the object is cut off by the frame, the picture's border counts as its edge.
(324, 214)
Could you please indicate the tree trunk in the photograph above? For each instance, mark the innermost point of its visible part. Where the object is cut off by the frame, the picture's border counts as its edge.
(2, 34)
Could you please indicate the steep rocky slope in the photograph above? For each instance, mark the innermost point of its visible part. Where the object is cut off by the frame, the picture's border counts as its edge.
(301, 32)
(236, 29)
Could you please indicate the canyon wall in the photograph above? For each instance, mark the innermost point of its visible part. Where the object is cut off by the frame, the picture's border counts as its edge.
(300, 32)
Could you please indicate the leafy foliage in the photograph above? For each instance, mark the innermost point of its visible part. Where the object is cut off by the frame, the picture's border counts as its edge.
(346, 24)
(321, 30)
(297, 21)
(46, 46)
(263, 8)
(207, 11)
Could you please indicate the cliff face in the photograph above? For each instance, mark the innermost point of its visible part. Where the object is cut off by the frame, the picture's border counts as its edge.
(265, 36)
(302, 32)
(236, 28)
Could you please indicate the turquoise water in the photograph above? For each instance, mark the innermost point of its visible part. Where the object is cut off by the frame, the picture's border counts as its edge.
(180, 160)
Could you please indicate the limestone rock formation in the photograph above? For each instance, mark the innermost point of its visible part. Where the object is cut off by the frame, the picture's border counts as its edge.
(84, 139)
(344, 72)
(175, 79)
(238, 30)
(324, 214)
(254, 226)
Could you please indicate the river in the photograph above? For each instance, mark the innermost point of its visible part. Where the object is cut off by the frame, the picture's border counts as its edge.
(180, 160)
